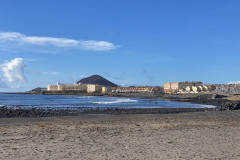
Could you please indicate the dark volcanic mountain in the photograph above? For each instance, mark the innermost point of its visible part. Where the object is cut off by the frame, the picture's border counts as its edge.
(96, 79)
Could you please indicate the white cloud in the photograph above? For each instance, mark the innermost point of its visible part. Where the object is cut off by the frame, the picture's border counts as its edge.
(97, 45)
(14, 70)
(10, 36)
(21, 39)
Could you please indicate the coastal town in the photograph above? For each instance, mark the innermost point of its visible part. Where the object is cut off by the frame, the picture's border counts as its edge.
(98, 84)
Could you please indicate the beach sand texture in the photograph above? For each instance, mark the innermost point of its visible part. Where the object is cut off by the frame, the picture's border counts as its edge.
(201, 135)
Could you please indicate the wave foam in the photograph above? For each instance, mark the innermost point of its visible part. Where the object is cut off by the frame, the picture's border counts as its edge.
(207, 106)
(117, 101)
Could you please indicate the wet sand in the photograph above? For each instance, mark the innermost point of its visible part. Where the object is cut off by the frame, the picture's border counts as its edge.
(196, 135)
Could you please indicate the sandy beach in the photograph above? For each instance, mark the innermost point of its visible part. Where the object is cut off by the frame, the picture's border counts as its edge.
(198, 135)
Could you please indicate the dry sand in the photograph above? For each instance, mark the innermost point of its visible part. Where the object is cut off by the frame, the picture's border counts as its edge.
(201, 135)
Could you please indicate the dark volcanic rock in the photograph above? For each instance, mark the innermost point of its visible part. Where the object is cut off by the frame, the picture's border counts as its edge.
(96, 79)
(7, 112)
(228, 105)
(207, 99)
(214, 96)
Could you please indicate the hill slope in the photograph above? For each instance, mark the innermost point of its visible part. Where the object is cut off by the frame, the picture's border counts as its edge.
(96, 79)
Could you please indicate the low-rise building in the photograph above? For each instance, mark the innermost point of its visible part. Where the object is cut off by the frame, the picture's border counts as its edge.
(52, 88)
(67, 87)
(91, 88)
(90, 84)
(135, 89)
(227, 88)
(106, 89)
(183, 87)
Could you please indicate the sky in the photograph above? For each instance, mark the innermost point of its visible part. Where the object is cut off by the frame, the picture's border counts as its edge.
(129, 42)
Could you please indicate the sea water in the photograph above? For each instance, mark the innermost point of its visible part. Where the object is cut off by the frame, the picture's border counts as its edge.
(26, 101)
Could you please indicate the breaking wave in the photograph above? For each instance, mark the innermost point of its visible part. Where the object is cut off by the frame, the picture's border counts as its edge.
(117, 101)
(206, 106)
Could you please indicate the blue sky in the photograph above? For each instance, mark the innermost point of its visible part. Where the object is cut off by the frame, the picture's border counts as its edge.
(130, 42)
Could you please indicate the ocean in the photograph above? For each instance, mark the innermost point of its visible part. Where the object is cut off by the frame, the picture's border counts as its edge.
(26, 101)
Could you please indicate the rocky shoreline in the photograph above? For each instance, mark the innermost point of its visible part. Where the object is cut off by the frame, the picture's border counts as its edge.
(27, 113)
(221, 101)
